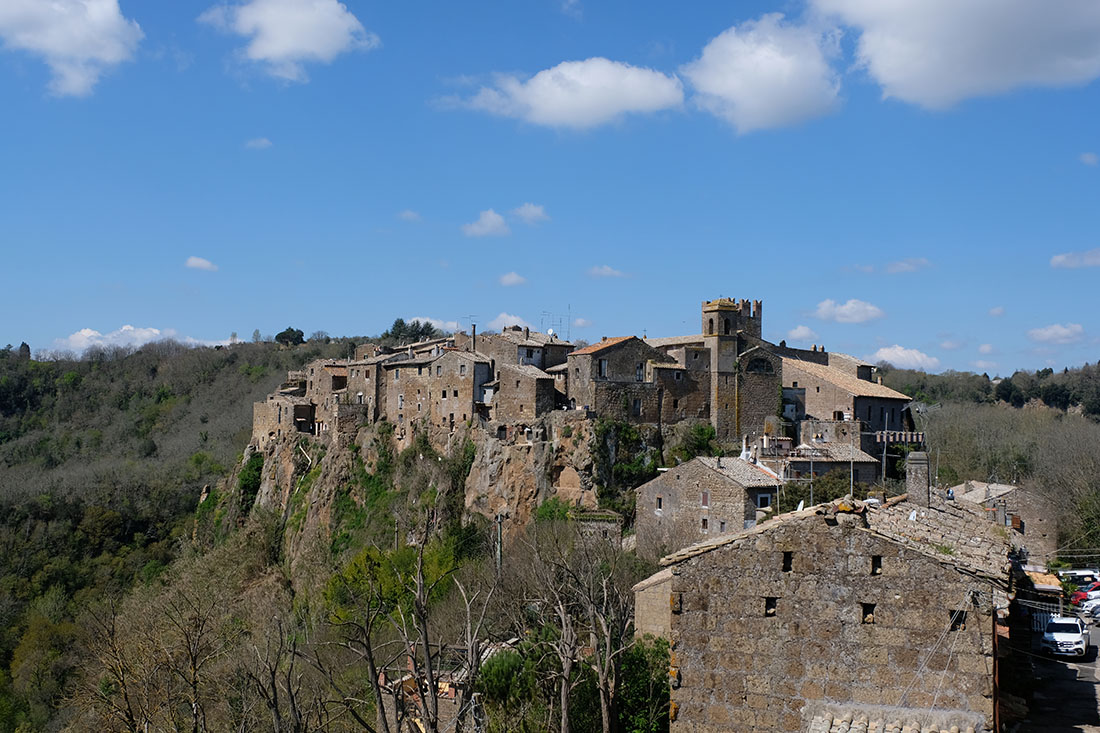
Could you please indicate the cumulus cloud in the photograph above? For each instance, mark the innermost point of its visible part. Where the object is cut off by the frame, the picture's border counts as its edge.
(78, 39)
(200, 263)
(765, 73)
(512, 278)
(985, 349)
(408, 215)
(531, 213)
(997, 311)
(854, 311)
(258, 143)
(1090, 158)
(1057, 333)
(439, 323)
(605, 271)
(128, 335)
(935, 53)
(579, 94)
(582, 322)
(801, 333)
(1075, 260)
(905, 358)
(283, 35)
(911, 264)
(504, 320)
(488, 224)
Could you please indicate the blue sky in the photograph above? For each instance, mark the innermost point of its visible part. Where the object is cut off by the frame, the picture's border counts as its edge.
(914, 180)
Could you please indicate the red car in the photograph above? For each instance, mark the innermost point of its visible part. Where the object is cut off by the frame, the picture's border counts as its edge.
(1085, 593)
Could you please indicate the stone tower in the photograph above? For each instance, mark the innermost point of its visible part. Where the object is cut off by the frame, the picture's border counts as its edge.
(726, 323)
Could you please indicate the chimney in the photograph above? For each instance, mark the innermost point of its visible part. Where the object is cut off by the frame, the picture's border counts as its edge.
(473, 337)
(880, 379)
(526, 333)
(917, 478)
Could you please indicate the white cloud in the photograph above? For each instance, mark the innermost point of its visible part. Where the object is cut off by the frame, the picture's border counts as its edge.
(951, 344)
(854, 311)
(200, 263)
(582, 322)
(507, 319)
(285, 34)
(1075, 260)
(1057, 333)
(985, 349)
(531, 213)
(258, 143)
(126, 336)
(911, 264)
(984, 365)
(605, 271)
(1090, 158)
(765, 73)
(937, 52)
(905, 358)
(997, 311)
(579, 94)
(801, 333)
(78, 39)
(512, 278)
(437, 322)
(488, 224)
(408, 215)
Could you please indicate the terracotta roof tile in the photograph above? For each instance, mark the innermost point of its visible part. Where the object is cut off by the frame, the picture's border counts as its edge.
(605, 344)
(847, 382)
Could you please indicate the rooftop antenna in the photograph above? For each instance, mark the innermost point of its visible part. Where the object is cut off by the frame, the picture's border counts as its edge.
(542, 319)
(470, 319)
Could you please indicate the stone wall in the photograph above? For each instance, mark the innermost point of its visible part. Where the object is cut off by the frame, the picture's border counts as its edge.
(761, 633)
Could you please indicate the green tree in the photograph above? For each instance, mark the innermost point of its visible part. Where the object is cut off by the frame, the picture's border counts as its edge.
(290, 336)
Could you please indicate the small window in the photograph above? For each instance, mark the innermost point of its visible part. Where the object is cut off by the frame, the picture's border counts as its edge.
(788, 561)
(958, 620)
(603, 368)
(876, 564)
(637, 409)
(704, 524)
(396, 374)
(530, 353)
(438, 370)
(676, 403)
(706, 498)
(420, 371)
(639, 372)
(867, 613)
(763, 501)
(678, 376)
(818, 388)
(462, 370)
(400, 401)
(444, 394)
(454, 393)
(794, 385)
(660, 503)
(517, 384)
(771, 606)
(722, 526)
(695, 355)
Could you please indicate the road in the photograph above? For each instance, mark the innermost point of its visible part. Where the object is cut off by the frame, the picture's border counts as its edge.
(1066, 695)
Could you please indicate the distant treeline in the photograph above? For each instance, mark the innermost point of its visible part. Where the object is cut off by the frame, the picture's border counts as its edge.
(1078, 387)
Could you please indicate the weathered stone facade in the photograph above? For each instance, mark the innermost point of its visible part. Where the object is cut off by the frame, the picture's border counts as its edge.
(841, 604)
(701, 498)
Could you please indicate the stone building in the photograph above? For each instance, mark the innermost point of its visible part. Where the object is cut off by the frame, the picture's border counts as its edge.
(811, 460)
(698, 499)
(520, 393)
(884, 611)
(517, 345)
(609, 378)
(1026, 515)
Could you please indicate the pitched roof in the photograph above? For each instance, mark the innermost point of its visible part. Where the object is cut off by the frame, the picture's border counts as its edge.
(527, 370)
(747, 474)
(956, 534)
(830, 452)
(557, 368)
(534, 339)
(849, 383)
(600, 346)
(872, 719)
(667, 341)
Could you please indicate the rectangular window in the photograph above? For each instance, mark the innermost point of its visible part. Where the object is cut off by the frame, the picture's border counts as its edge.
(704, 524)
(400, 401)
(660, 503)
(639, 372)
(722, 526)
(530, 353)
(678, 376)
(517, 384)
(771, 606)
(454, 393)
(637, 409)
(763, 501)
(958, 620)
(438, 370)
(867, 611)
(444, 394)
(420, 371)
(675, 403)
(396, 374)
(462, 370)
(876, 564)
(706, 499)
(603, 368)
(788, 561)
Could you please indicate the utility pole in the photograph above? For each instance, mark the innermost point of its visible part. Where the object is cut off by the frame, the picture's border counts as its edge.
(500, 542)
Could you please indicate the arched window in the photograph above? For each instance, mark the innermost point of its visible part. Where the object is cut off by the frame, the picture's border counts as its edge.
(727, 327)
(710, 326)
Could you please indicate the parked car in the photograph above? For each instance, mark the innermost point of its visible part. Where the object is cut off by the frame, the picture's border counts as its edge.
(1065, 635)
(1088, 593)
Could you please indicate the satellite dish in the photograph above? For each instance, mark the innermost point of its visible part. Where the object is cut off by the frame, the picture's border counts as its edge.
(801, 505)
(549, 332)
